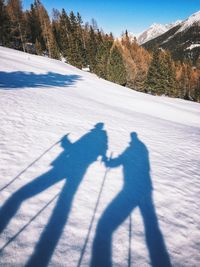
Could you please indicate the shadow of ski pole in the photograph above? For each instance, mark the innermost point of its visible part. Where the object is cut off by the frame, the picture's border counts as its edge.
(27, 224)
(30, 165)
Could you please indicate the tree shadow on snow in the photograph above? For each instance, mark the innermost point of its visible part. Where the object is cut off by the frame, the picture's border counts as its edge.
(136, 192)
(71, 165)
(20, 80)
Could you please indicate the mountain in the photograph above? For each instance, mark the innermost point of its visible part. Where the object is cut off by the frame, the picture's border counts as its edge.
(154, 31)
(59, 201)
(183, 40)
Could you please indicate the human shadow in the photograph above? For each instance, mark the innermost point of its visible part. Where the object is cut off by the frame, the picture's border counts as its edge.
(71, 165)
(136, 192)
(19, 80)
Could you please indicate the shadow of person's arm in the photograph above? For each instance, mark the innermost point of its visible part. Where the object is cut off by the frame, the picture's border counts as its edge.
(65, 141)
(112, 162)
(66, 145)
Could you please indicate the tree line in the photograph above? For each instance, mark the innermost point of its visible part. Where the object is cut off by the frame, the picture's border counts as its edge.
(123, 61)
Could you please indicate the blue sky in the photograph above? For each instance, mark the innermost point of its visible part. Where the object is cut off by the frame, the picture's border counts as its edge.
(118, 15)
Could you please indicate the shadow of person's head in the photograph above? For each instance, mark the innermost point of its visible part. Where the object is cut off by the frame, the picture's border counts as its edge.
(134, 137)
(99, 126)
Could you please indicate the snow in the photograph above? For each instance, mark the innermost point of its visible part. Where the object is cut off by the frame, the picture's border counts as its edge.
(87, 69)
(192, 46)
(62, 221)
(154, 31)
(193, 19)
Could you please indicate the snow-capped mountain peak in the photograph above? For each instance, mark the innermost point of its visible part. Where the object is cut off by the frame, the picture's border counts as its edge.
(193, 19)
(154, 31)
(182, 40)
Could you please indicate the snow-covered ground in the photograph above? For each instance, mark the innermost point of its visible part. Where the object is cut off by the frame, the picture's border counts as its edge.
(60, 204)
(192, 46)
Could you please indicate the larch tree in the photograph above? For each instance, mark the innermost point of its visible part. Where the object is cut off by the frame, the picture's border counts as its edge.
(18, 33)
(47, 33)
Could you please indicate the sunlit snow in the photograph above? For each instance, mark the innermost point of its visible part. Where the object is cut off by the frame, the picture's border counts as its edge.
(61, 205)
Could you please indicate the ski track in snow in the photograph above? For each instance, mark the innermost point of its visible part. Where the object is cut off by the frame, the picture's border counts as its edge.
(34, 118)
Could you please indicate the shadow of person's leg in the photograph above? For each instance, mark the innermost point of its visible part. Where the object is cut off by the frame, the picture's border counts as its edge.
(29, 190)
(53, 231)
(154, 239)
(114, 215)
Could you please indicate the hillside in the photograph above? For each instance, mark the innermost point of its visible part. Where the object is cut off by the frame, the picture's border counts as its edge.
(183, 40)
(60, 202)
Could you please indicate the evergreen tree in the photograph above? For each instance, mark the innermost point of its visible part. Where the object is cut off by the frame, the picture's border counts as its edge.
(100, 37)
(161, 77)
(102, 56)
(64, 30)
(102, 61)
(34, 29)
(81, 47)
(167, 79)
(76, 51)
(72, 55)
(92, 49)
(54, 48)
(38, 47)
(5, 25)
(116, 69)
(56, 31)
(152, 83)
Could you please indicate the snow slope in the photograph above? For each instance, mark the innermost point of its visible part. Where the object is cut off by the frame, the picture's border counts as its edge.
(54, 221)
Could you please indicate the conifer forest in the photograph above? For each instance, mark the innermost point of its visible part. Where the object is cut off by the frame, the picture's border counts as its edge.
(63, 35)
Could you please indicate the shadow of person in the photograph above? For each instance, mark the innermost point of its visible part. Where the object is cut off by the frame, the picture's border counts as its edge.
(136, 192)
(71, 165)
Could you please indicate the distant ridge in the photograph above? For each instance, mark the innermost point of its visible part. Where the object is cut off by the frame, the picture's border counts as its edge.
(154, 31)
(183, 40)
